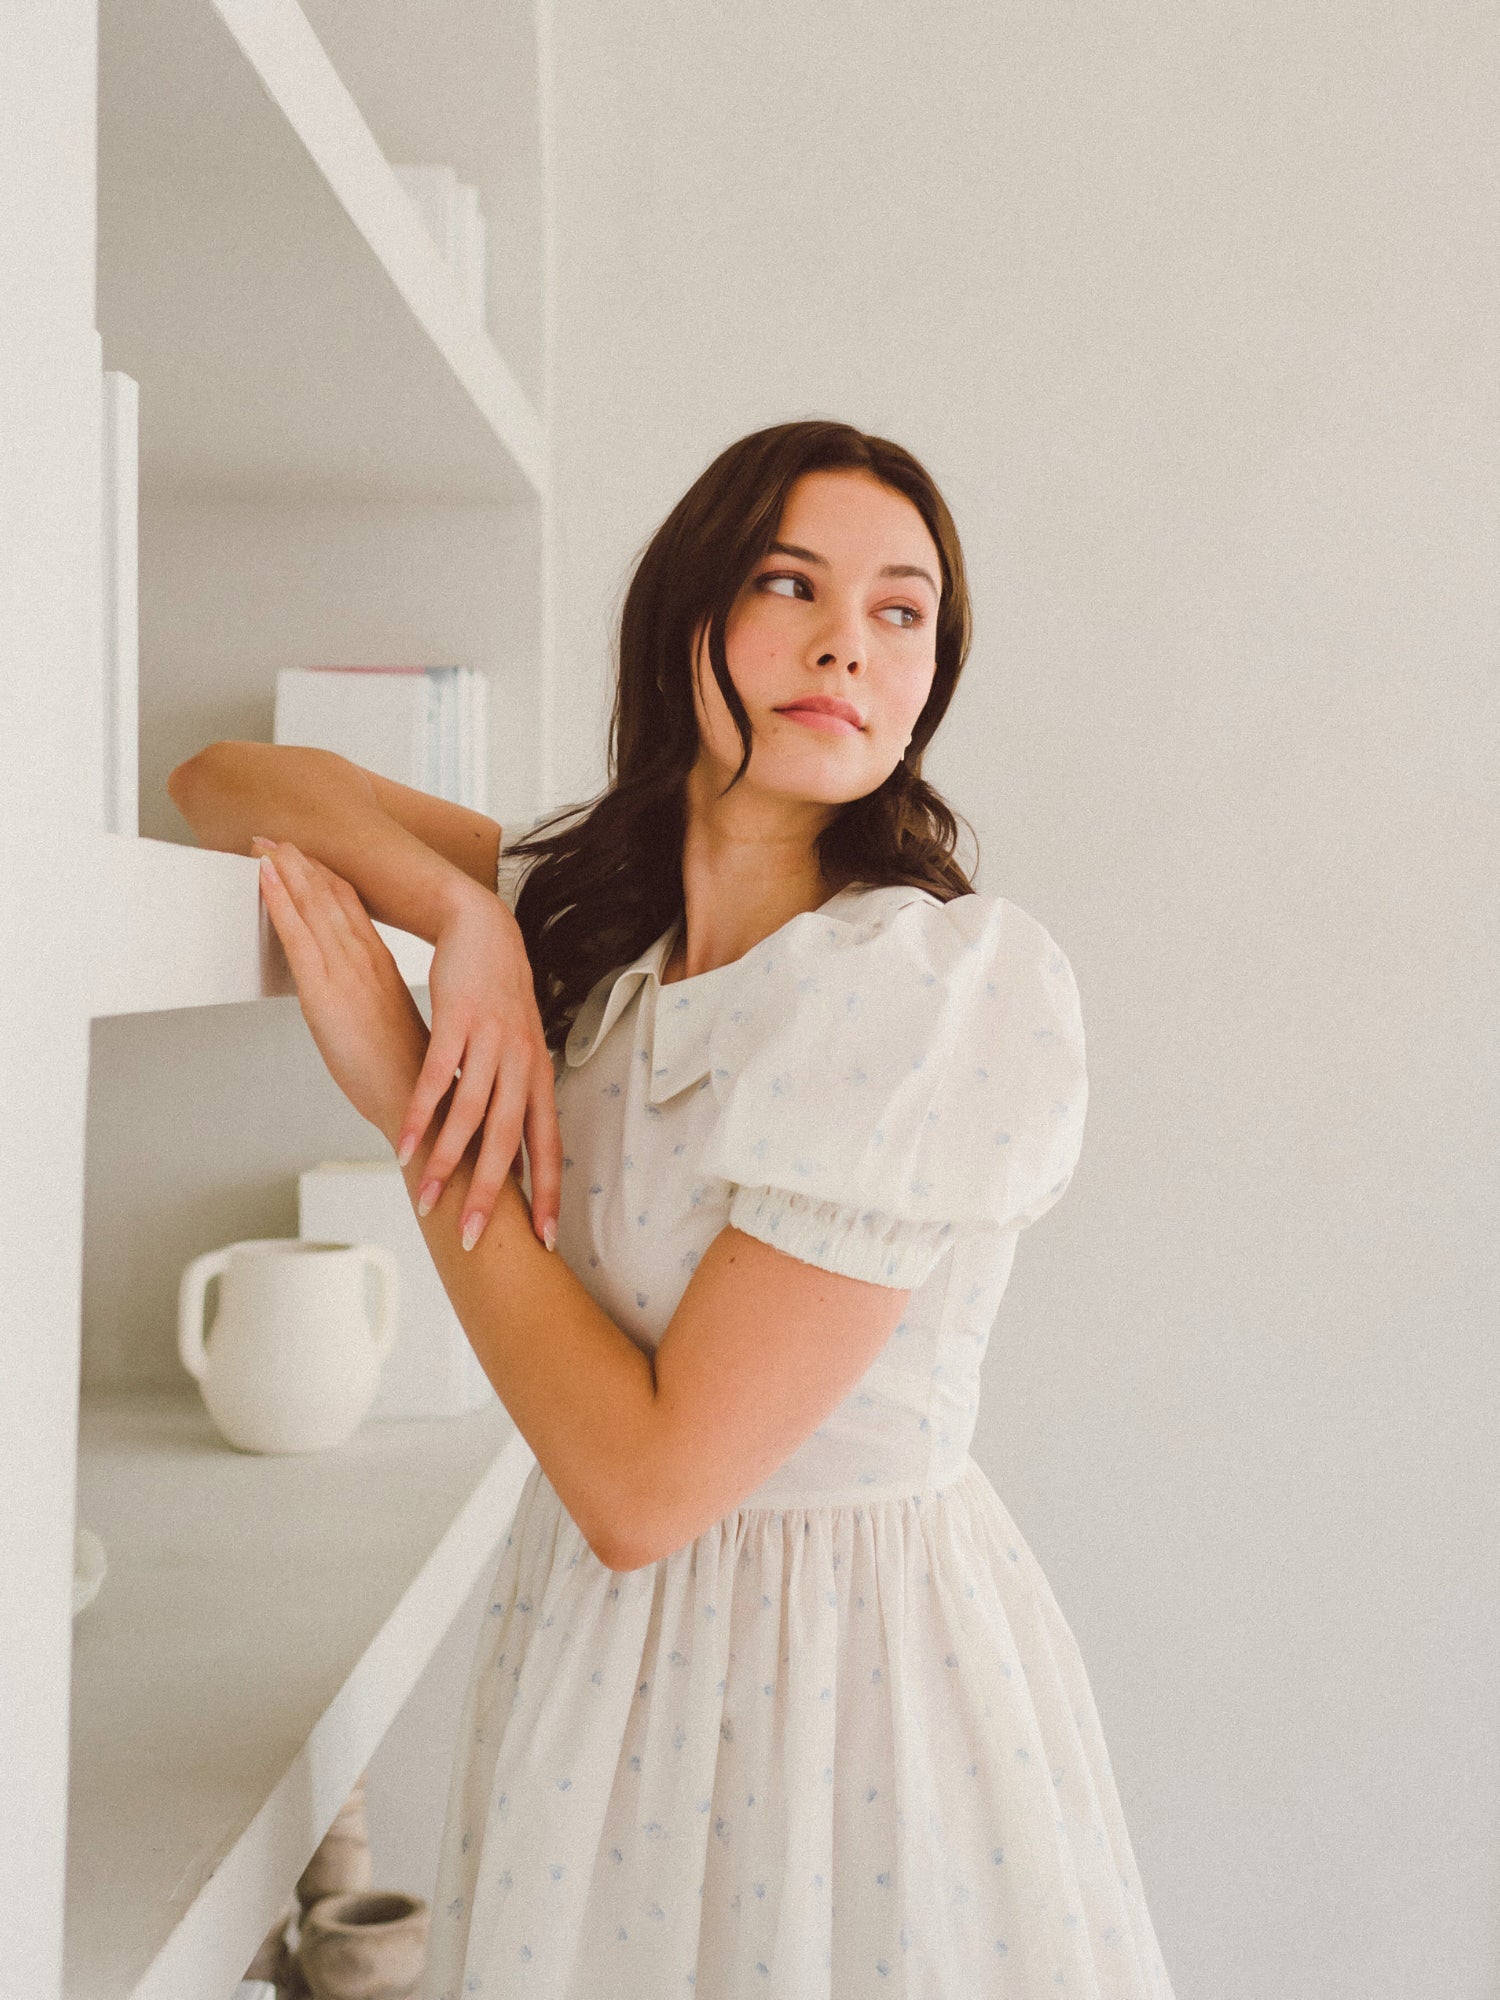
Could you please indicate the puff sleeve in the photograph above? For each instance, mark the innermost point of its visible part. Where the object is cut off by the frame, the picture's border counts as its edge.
(884, 1088)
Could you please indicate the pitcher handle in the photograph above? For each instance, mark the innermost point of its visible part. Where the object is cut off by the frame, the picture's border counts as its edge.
(384, 1329)
(190, 1295)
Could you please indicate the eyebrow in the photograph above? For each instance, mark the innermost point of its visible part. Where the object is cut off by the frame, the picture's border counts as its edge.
(890, 569)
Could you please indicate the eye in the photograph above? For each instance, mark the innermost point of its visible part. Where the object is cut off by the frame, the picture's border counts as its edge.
(783, 576)
(911, 615)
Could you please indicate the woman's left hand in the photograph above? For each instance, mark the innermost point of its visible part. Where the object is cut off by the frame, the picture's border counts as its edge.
(368, 1028)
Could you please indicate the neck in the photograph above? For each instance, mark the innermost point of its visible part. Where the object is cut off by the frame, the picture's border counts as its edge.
(749, 865)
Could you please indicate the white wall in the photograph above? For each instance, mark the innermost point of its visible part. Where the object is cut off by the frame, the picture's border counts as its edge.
(49, 636)
(1191, 312)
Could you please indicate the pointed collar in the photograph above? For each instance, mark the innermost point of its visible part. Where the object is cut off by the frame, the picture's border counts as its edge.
(612, 995)
(677, 1032)
(683, 1013)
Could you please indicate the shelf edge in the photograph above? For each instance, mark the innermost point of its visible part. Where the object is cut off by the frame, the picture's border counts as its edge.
(277, 40)
(174, 926)
(215, 1939)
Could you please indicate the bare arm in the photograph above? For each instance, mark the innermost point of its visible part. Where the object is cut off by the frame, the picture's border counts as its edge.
(580, 1391)
(427, 866)
(578, 1387)
(412, 858)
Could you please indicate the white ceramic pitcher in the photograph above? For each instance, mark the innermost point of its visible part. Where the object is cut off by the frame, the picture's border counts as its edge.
(290, 1362)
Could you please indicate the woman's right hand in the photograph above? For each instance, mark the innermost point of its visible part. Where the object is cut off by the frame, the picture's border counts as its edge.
(485, 1022)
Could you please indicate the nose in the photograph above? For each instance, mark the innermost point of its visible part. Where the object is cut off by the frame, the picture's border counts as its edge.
(841, 636)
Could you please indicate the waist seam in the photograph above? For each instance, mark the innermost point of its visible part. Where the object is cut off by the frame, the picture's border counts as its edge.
(853, 1499)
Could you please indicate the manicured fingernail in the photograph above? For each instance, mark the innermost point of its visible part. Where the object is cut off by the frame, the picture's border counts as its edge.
(549, 1236)
(269, 866)
(405, 1150)
(471, 1231)
(427, 1199)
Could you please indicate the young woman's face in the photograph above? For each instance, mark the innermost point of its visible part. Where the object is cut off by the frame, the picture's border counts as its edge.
(843, 605)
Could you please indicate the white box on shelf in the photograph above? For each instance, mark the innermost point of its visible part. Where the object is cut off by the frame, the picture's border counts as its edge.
(432, 1371)
(433, 191)
(119, 663)
(454, 220)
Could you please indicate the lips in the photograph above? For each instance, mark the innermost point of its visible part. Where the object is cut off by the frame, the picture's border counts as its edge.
(828, 705)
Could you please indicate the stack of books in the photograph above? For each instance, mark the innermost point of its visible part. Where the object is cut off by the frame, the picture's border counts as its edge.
(427, 727)
(450, 209)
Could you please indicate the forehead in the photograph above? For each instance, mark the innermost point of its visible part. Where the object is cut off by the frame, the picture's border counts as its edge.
(847, 513)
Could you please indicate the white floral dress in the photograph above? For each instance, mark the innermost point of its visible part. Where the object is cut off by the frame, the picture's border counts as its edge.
(842, 1744)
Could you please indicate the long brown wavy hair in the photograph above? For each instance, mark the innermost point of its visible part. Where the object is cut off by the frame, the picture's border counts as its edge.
(610, 883)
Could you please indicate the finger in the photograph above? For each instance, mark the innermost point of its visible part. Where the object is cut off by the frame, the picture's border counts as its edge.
(321, 897)
(301, 876)
(544, 1146)
(470, 1100)
(299, 940)
(444, 1053)
(351, 920)
(344, 894)
(499, 1149)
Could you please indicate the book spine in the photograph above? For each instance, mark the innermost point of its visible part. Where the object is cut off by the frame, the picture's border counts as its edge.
(452, 732)
(481, 741)
(466, 735)
(432, 751)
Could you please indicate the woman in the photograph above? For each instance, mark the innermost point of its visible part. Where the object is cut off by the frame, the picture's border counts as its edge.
(772, 1696)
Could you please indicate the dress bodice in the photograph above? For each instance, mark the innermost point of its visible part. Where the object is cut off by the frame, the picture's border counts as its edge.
(638, 1112)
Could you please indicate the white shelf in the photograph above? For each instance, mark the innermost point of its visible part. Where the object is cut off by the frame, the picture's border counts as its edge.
(204, 206)
(260, 1625)
(176, 926)
(264, 277)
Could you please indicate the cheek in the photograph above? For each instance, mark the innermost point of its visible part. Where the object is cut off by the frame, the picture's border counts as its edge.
(757, 654)
(915, 687)
(757, 660)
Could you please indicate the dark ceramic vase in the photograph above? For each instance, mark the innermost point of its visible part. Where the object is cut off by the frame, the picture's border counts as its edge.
(371, 1945)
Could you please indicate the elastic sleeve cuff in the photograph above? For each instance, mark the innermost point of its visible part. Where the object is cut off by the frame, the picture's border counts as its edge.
(856, 1243)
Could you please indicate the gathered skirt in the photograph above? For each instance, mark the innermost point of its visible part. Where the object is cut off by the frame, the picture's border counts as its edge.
(819, 1753)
